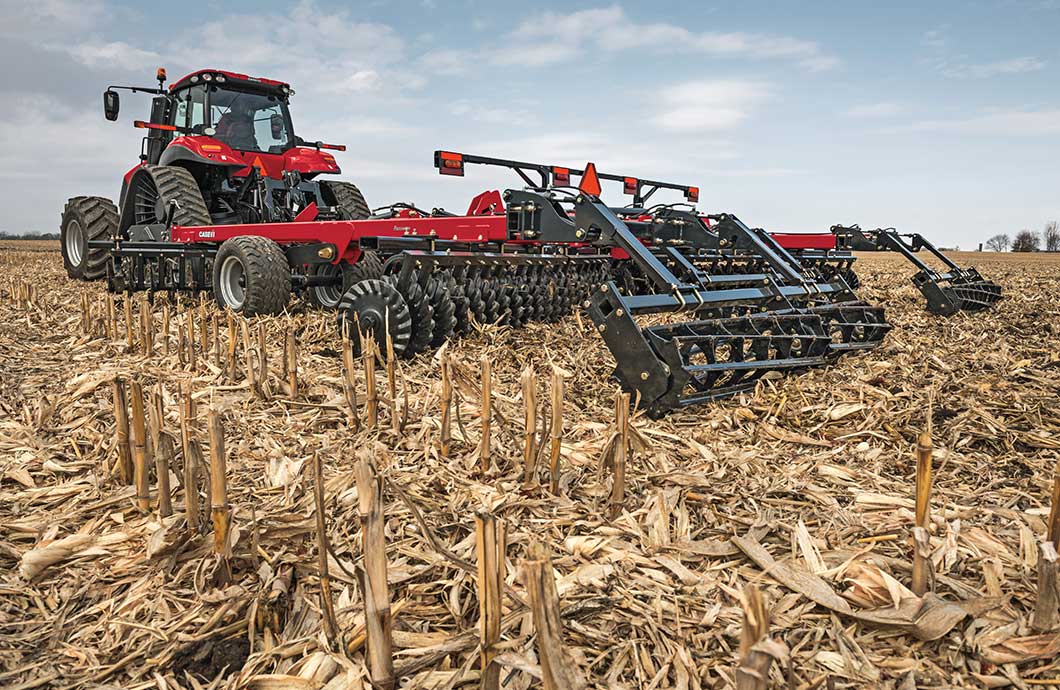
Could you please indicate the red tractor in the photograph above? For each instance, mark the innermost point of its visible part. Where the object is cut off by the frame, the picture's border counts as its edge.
(220, 150)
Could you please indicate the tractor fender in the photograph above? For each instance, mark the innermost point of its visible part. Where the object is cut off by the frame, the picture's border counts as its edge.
(193, 149)
(125, 210)
(310, 162)
(125, 180)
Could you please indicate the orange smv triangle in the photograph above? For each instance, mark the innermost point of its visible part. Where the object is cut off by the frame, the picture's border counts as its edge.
(590, 183)
(260, 166)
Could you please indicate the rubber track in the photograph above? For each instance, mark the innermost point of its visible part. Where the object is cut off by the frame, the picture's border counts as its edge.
(98, 218)
(174, 183)
(348, 198)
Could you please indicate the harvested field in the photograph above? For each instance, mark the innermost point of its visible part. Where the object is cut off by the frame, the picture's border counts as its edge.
(797, 502)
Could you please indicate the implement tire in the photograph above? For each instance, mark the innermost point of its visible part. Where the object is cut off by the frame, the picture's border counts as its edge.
(251, 275)
(87, 218)
(368, 267)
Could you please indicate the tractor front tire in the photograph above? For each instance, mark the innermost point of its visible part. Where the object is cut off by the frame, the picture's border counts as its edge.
(347, 198)
(251, 275)
(87, 218)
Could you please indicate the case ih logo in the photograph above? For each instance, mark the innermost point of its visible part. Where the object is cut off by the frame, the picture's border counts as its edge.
(206, 234)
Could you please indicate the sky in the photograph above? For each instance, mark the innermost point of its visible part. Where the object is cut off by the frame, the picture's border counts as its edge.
(941, 118)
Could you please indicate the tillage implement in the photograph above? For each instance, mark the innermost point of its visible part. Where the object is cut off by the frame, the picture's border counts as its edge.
(692, 306)
(947, 292)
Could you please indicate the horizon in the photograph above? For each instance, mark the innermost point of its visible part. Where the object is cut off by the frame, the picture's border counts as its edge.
(937, 120)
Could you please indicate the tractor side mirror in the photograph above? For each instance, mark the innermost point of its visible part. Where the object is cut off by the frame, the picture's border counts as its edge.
(276, 122)
(111, 103)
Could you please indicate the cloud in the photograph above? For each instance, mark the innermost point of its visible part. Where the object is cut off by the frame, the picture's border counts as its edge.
(699, 106)
(1007, 123)
(1019, 65)
(46, 19)
(357, 56)
(447, 62)
(553, 37)
(935, 39)
(873, 110)
(491, 114)
(117, 54)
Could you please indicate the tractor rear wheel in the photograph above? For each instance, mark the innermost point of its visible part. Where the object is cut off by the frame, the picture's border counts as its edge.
(156, 189)
(347, 198)
(87, 218)
(251, 275)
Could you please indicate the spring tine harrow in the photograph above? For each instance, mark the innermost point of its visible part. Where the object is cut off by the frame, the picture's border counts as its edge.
(955, 289)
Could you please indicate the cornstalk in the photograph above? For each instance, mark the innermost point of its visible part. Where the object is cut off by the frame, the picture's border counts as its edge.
(447, 406)
(376, 595)
(487, 412)
(121, 433)
(220, 511)
(490, 545)
(556, 433)
(529, 383)
(327, 606)
(139, 447)
(618, 485)
(923, 572)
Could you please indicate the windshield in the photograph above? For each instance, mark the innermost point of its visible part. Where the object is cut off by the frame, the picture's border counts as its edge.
(250, 121)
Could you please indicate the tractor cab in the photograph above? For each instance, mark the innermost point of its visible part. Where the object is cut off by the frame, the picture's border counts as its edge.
(232, 136)
(242, 119)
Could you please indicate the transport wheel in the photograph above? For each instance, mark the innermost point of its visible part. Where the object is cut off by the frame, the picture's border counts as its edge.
(327, 296)
(347, 198)
(159, 190)
(87, 218)
(375, 307)
(251, 275)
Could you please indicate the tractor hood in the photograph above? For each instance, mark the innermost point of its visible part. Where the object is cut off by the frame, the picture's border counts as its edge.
(305, 160)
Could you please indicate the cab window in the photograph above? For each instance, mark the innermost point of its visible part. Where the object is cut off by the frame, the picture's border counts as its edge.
(249, 121)
(191, 109)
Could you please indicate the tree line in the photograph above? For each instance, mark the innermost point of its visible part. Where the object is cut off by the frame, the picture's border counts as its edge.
(1028, 241)
(29, 236)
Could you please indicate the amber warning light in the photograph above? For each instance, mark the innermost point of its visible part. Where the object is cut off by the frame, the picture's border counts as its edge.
(450, 163)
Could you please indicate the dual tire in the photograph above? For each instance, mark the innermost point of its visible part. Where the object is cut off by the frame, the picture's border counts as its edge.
(251, 275)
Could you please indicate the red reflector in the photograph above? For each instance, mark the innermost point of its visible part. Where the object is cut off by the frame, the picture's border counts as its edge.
(590, 183)
(692, 194)
(140, 124)
(447, 156)
(560, 176)
(629, 185)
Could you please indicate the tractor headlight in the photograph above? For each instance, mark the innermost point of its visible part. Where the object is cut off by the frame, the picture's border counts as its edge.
(194, 79)
(207, 77)
(220, 77)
